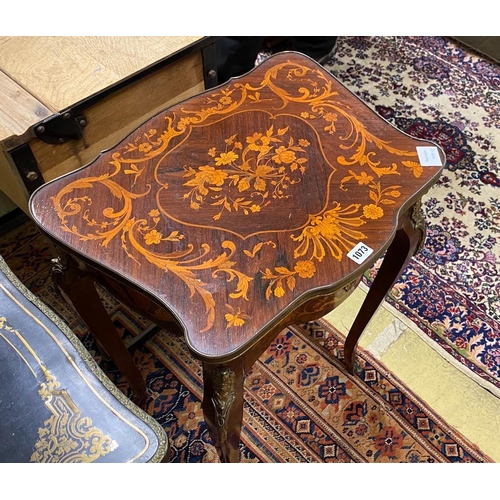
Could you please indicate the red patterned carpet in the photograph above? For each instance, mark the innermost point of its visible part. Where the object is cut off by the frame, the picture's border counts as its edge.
(300, 404)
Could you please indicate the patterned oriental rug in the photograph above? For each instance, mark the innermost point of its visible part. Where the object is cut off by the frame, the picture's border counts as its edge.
(300, 403)
(435, 89)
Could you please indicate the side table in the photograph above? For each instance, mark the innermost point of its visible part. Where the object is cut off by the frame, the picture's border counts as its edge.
(247, 208)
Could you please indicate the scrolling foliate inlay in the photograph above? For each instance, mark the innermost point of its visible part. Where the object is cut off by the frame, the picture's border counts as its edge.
(247, 173)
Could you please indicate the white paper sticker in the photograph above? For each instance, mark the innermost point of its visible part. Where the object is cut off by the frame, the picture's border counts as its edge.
(360, 253)
(429, 156)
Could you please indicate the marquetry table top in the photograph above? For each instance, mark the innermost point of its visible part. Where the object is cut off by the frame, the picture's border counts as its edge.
(238, 205)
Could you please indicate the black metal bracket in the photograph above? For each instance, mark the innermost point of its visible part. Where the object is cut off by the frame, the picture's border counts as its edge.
(61, 127)
(27, 167)
(209, 55)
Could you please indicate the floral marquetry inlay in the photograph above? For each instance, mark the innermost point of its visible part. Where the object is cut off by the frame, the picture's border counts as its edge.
(261, 169)
(239, 180)
(257, 189)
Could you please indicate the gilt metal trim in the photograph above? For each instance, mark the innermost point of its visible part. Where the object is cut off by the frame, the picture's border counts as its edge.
(224, 396)
(418, 220)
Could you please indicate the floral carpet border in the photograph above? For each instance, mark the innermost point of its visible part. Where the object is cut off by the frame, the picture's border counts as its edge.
(418, 418)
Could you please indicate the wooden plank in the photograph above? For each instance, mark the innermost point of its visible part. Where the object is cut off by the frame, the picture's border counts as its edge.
(62, 71)
(113, 118)
(11, 183)
(19, 110)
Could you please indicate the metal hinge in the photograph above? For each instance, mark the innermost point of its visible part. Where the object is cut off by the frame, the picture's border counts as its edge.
(61, 127)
